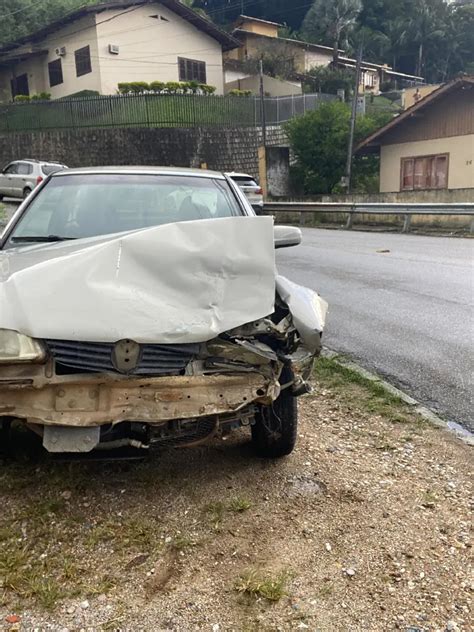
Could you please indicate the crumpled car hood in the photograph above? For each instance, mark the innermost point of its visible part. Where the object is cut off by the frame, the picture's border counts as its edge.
(176, 283)
(179, 283)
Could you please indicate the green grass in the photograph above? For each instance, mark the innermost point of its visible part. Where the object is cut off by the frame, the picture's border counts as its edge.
(239, 505)
(256, 583)
(368, 395)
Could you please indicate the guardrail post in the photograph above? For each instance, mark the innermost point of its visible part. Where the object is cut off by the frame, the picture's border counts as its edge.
(406, 224)
(350, 219)
(302, 218)
(472, 226)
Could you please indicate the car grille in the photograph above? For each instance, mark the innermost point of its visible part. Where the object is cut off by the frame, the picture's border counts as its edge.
(97, 357)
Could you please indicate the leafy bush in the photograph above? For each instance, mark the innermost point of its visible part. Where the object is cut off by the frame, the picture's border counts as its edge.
(22, 98)
(206, 89)
(173, 87)
(240, 93)
(319, 140)
(41, 96)
(159, 87)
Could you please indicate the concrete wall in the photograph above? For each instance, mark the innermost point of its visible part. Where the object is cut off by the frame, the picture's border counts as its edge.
(272, 87)
(278, 171)
(155, 45)
(221, 149)
(461, 160)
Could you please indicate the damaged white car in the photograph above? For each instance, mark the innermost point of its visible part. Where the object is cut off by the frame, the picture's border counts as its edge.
(141, 306)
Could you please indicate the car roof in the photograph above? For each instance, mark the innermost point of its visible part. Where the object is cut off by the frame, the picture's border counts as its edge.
(176, 171)
(38, 162)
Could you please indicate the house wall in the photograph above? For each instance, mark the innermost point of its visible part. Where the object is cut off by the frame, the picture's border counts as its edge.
(461, 160)
(77, 35)
(312, 59)
(270, 30)
(149, 48)
(34, 68)
(408, 95)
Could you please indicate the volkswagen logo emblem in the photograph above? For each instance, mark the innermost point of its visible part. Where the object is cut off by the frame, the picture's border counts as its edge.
(126, 355)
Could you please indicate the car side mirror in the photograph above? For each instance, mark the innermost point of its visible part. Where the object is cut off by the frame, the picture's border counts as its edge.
(287, 236)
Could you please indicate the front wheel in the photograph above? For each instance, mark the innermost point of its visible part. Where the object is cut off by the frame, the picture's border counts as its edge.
(275, 429)
(26, 192)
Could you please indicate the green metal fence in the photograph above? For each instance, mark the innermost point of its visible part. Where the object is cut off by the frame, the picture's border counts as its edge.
(142, 110)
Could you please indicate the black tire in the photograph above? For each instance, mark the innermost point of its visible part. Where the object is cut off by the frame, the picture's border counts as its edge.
(275, 430)
(26, 192)
(1, 197)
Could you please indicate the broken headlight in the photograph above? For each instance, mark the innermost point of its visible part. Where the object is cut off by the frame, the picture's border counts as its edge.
(15, 348)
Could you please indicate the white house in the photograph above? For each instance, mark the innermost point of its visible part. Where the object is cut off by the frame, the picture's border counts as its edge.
(96, 47)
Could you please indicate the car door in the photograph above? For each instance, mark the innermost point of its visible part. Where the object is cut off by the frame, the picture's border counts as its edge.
(6, 179)
(21, 179)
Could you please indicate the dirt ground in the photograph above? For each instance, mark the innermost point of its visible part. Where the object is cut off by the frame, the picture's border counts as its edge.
(365, 527)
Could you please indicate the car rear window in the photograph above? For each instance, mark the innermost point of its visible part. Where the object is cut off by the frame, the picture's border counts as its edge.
(78, 206)
(47, 169)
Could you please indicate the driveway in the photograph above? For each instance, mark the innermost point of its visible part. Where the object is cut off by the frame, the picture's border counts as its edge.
(401, 305)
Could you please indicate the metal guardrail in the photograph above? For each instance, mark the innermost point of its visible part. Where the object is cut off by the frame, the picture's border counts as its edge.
(372, 208)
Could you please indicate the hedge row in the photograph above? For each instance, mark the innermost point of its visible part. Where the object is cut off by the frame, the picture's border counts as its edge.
(171, 87)
(24, 98)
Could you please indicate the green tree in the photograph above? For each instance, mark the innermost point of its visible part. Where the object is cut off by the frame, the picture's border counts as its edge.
(329, 80)
(331, 20)
(319, 140)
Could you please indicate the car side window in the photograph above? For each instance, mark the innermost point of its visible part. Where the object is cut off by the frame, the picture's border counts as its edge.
(24, 169)
(12, 169)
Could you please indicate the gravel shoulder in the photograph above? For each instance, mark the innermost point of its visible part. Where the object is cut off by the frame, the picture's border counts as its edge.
(364, 527)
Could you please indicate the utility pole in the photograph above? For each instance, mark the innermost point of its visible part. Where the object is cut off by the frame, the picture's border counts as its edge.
(262, 106)
(350, 148)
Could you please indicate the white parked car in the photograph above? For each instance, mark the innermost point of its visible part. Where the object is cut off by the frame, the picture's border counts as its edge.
(250, 187)
(142, 306)
(20, 177)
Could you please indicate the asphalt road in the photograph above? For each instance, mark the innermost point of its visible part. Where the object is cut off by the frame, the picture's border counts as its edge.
(406, 314)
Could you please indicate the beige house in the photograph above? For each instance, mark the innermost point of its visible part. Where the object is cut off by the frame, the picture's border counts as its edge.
(431, 144)
(260, 37)
(99, 46)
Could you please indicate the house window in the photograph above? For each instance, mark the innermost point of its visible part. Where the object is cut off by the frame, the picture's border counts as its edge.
(55, 71)
(424, 172)
(192, 70)
(83, 61)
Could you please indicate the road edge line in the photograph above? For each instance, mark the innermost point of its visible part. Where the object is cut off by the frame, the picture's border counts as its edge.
(423, 411)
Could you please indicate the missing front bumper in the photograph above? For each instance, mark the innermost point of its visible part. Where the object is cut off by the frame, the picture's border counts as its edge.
(86, 402)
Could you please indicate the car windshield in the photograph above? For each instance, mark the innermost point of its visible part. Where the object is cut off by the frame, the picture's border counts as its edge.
(81, 205)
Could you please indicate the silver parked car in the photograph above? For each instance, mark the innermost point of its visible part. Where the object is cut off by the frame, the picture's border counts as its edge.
(20, 177)
(142, 306)
(250, 187)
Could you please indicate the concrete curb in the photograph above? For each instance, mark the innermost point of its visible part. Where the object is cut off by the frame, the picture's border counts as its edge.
(428, 415)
